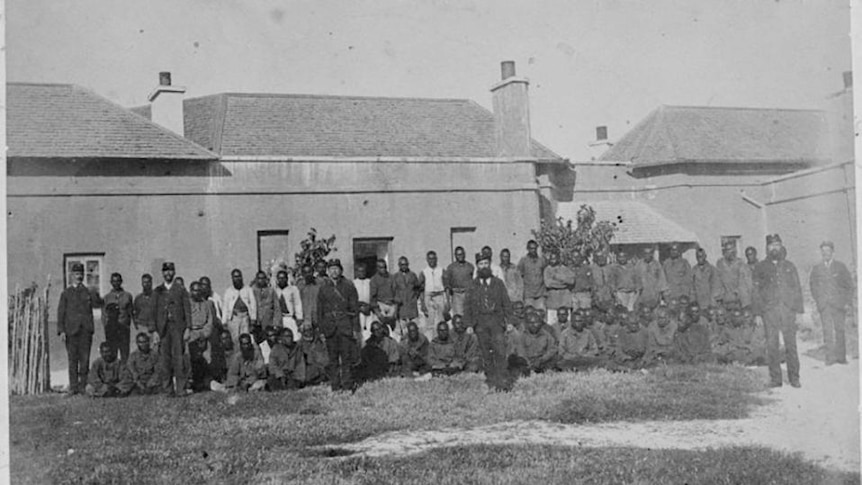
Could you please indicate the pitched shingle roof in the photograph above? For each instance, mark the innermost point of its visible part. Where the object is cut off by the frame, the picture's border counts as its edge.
(68, 121)
(637, 223)
(681, 134)
(342, 126)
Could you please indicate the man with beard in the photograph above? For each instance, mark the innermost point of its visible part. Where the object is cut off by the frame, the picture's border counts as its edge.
(268, 309)
(240, 307)
(414, 352)
(467, 348)
(338, 314)
(677, 272)
(532, 268)
(733, 277)
(286, 367)
(704, 280)
(143, 311)
(457, 279)
(289, 301)
(407, 291)
(832, 289)
(441, 354)
(141, 376)
(246, 371)
(173, 317)
(117, 310)
(487, 311)
(778, 298)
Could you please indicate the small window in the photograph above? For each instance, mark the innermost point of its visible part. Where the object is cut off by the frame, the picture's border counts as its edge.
(94, 265)
(368, 250)
(273, 249)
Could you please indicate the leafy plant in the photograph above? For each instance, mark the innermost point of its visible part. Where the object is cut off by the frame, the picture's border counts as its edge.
(314, 249)
(585, 236)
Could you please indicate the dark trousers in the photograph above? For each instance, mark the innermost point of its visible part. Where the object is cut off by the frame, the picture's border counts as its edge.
(172, 360)
(833, 319)
(78, 351)
(780, 319)
(343, 356)
(117, 336)
(492, 343)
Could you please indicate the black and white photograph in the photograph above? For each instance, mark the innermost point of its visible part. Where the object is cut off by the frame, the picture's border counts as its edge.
(430, 242)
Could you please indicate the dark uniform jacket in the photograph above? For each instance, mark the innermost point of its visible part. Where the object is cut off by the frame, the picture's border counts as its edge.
(776, 283)
(173, 308)
(831, 286)
(75, 312)
(487, 304)
(338, 308)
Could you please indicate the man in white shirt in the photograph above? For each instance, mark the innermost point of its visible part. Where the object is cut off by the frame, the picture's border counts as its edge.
(290, 302)
(434, 302)
(363, 288)
(240, 307)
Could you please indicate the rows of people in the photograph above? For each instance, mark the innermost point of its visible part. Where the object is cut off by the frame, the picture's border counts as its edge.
(625, 314)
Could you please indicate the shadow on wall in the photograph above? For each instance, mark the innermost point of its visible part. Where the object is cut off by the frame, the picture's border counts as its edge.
(41, 167)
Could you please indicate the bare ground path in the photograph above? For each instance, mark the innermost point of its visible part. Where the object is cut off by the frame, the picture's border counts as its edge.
(821, 421)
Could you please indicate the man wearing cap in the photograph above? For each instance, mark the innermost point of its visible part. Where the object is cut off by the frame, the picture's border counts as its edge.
(75, 327)
(338, 317)
(778, 298)
(652, 278)
(832, 289)
(532, 268)
(704, 281)
(457, 279)
(487, 310)
(733, 278)
(677, 272)
(240, 307)
(625, 281)
(173, 319)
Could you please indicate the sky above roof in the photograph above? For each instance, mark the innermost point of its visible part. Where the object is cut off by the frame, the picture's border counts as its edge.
(590, 63)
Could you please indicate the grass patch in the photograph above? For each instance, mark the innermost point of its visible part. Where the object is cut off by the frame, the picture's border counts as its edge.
(212, 437)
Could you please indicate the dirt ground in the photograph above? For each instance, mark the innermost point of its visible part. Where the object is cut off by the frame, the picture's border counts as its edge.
(820, 421)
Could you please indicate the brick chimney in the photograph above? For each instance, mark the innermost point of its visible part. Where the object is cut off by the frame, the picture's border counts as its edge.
(601, 144)
(512, 114)
(166, 104)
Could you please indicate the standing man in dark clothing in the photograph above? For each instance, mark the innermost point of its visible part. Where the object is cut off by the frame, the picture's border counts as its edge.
(677, 272)
(338, 316)
(117, 310)
(268, 308)
(532, 268)
(173, 316)
(308, 290)
(778, 298)
(603, 292)
(75, 327)
(407, 291)
(832, 289)
(751, 257)
(487, 311)
(457, 279)
(143, 310)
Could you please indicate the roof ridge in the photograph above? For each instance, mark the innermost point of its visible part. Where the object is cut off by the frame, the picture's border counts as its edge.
(26, 83)
(739, 108)
(140, 118)
(327, 96)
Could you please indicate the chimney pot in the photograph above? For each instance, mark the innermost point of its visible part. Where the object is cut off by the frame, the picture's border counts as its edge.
(508, 69)
(164, 78)
(601, 133)
(848, 79)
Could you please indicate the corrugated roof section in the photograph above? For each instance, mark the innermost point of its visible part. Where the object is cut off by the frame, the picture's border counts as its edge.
(340, 126)
(637, 223)
(677, 134)
(68, 121)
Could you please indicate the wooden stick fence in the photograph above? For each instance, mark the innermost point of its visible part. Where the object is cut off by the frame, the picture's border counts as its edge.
(28, 343)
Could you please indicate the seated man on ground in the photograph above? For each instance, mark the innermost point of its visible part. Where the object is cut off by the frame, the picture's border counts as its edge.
(140, 375)
(286, 367)
(246, 371)
(466, 346)
(646, 315)
(441, 354)
(562, 323)
(539, 346)
(315, 354)
(691, 342)
(614, 326)
(595, 321)
(414, 352)
(380, 357)
(221, 359)
(105, 374)
(660, 338)
(632, 343)
(578, 349)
